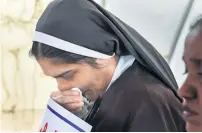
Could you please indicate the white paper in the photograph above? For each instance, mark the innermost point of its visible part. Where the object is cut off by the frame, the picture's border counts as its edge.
(58, 119)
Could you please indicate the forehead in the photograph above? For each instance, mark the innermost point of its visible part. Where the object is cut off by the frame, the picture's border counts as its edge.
(193, 45)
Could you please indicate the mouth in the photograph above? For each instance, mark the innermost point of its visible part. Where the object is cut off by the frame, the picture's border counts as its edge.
(190, 116)
(188, 111)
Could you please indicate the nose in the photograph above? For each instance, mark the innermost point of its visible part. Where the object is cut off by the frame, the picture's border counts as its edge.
(183, 91)
(188, 91)
(63, 85)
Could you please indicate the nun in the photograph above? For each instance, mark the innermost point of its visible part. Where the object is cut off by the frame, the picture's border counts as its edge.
(127, 83)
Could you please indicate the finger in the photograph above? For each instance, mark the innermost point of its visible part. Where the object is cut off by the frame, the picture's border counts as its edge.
(74, 106)
(55, 94)
(59, 99)
(70, 93)
(68, 99)
(77, 110)
(73, 99)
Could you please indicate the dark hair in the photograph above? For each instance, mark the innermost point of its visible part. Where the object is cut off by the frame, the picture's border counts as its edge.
(197, 23)
(40, 50)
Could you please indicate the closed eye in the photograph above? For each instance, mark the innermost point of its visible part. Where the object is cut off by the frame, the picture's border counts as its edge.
(68, 76)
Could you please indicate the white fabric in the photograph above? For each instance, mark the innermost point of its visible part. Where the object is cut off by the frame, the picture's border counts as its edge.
(67, 46)
(123, 64)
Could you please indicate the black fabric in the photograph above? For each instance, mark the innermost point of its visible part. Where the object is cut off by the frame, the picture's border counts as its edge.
(137, 102)
(87, 24)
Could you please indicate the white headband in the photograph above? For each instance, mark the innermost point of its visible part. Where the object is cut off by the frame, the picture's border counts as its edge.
(67, 46)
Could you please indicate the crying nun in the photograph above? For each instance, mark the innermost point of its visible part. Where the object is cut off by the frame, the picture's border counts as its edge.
(131, 86)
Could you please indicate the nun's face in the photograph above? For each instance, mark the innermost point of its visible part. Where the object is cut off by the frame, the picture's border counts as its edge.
(91, 81)
(191, 91)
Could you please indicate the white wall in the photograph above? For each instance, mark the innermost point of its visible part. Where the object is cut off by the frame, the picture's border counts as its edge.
(176, 64)
(156, 20)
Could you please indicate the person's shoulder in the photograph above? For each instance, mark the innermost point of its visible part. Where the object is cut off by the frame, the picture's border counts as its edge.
(149, 88)
(153, 94)
(138, 85)
(159, 93)
(155, 106)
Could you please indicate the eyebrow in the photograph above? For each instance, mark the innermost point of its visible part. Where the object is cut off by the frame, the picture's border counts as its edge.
(193, 59)
(62, 74)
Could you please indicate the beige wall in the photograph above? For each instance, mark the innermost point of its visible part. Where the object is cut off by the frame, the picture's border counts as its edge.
(23, 83)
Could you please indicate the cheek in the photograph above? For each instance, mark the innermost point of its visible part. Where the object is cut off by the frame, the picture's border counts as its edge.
(85, 78)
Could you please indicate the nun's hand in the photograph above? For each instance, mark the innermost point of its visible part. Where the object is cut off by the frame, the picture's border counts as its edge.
(72, 100)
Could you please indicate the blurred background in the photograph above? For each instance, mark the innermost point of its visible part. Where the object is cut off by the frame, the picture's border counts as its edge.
(24, 88)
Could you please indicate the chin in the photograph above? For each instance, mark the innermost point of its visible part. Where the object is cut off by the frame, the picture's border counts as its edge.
(193, 128)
